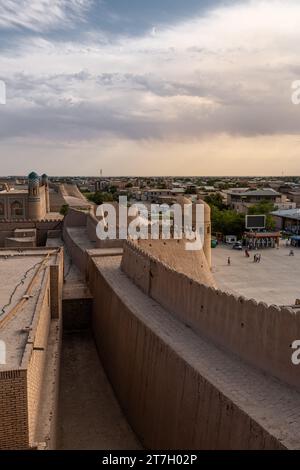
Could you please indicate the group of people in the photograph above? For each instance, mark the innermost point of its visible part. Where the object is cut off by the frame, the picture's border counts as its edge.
(256, 258)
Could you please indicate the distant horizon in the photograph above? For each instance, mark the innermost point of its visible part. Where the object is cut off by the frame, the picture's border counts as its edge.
(157, 176)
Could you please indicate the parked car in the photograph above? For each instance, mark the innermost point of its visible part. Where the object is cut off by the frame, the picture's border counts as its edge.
(237, 246)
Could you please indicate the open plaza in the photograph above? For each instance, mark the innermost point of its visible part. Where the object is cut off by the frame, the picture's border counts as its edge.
(275, 280)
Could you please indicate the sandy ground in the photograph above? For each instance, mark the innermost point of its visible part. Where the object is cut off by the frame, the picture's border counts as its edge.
(275, 280)
(90, 417)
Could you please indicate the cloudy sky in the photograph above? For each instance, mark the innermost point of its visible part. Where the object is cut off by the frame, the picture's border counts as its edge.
(195, 87)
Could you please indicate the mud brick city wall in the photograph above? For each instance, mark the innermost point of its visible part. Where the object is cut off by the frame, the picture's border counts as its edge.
(13, 410)
(168, 403)
(75, 218)
(37, 346)
(138, 267)
(47, 308)
(56, 282)
(91, 226)
(147, 371)
(259, 334)
(21, 390)
(79, 256)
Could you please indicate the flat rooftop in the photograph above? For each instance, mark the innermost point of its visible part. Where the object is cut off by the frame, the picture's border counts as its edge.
(275, 280)
(14, 192)
(288, 214)
(18, 269)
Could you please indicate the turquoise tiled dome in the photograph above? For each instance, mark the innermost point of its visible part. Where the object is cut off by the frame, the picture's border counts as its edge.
(33, 178)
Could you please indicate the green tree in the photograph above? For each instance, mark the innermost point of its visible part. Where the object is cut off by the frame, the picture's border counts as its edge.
(227, 222)
(113, 189)
(64, 209)
(191, 191)
(215, 200)
(100, 197)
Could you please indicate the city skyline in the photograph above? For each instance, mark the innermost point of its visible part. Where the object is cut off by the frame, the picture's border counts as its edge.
(160, 89)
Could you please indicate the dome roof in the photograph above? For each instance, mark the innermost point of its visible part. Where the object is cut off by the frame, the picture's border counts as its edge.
(33, 175)
(33, 178)
(45, 178)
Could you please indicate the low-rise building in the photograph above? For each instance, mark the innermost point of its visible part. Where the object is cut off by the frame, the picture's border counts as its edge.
(294, 196)
(288, 220)
(30, 335)
(154, 195)
(31, 203)
(241, 200)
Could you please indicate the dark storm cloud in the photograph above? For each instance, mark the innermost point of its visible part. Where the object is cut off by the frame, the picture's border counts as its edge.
(219, 93)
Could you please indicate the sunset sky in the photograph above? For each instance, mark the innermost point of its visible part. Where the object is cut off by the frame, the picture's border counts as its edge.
(166, 87)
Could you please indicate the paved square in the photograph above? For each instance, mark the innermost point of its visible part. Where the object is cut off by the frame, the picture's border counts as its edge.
(275, 280)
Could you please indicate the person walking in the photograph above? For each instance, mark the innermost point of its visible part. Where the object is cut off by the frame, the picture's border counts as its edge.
(228, 261)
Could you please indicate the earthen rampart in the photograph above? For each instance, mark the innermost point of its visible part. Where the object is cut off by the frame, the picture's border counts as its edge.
(259, 334)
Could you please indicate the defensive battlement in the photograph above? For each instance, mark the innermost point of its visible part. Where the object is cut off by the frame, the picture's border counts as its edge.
(259, 334)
